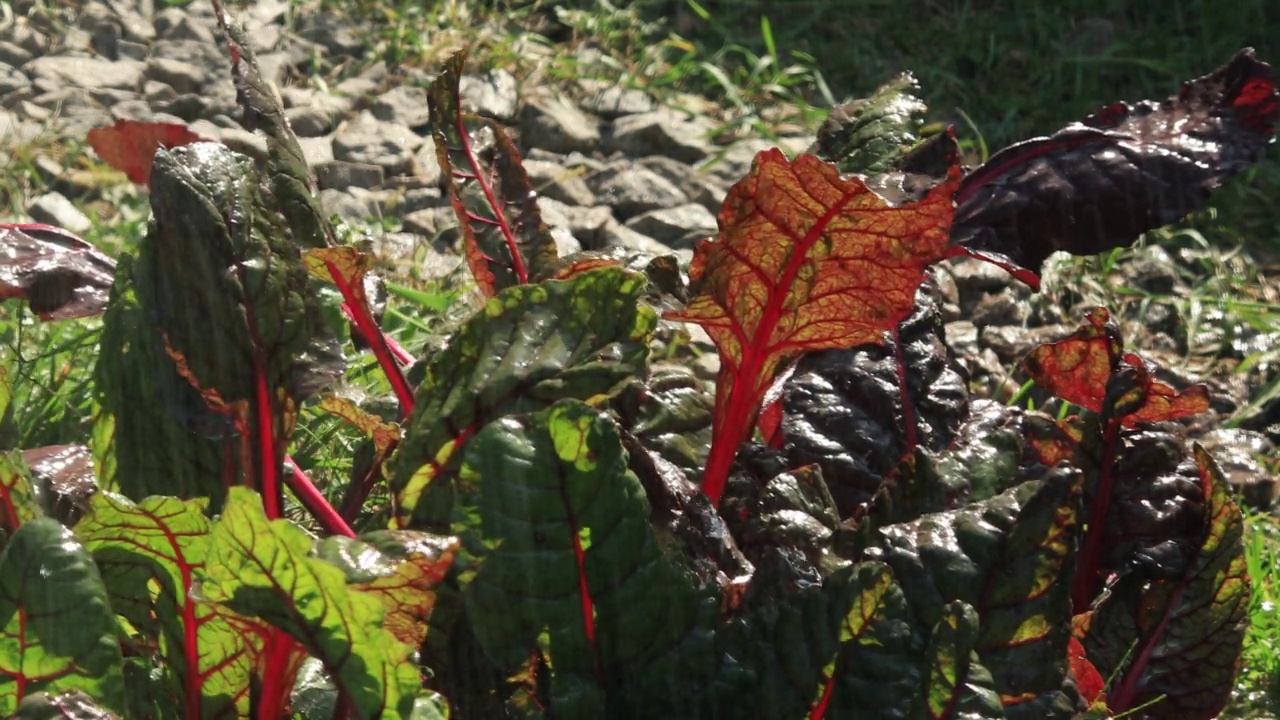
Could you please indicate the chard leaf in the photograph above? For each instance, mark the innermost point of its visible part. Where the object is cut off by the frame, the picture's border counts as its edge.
(528, 347)
(870, 135)
(264, 569)
(1010, 558)
(18, 503)
(806, 260)
(74, 705)
(130, 145)
(1091, 369)
(63, 479)
(150, 553)
(59, 275)
(505, 240)
(1125, 170)
(1188, 629)
(958, 686)
(59, 633)
(560, 557)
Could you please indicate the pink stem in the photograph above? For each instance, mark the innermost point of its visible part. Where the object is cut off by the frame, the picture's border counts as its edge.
(315, 503)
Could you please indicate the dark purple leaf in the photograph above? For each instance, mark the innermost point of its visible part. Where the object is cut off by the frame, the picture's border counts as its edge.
(59, 275)
(1124, 170)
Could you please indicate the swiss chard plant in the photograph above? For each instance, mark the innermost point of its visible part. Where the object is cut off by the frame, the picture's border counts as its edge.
(554, 522)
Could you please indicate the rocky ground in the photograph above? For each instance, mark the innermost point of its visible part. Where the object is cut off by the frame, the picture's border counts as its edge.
(613, 168)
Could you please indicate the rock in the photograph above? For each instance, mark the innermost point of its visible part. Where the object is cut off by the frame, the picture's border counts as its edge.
(421, 198)
(556, 126)
(105, 38)
(492, 95)
(156, 92)
(974, 279)
(426, 166)
(316, 150)
(676, 227)
(661, 132)
(333, 32)
(962, 337)
(52, 73)
(356, 88)
(405, 105)
(1001, 308)
(624, 237)
(559, 183)
(439, 224)
(613, 101)
(632, 189)
(16, 130)
(566, 243)
(12, 79)
(55, 209)
(183, 77)
(590, 225)
(340, 175)
(1011, 343)
(366, 140)
(183, 26)
(702, 188)
(1237, 452)
(353, 211)
(14, 55)
(132, 51)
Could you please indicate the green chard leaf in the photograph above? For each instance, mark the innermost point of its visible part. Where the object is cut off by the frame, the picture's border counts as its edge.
(264, 569)
(506, 242)
(528, 347)
(558, 558)
(870, 135)
(1177, 640)
(18, 503)
(958, 686)
(74, 705)
(59, 633)
(161, 544)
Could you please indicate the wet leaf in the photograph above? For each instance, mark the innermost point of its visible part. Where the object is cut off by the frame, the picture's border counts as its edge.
(59, 275)
(1087, 677)
(505, 240)
(63, 478)
(528, 347)
(1178, 637)
(870, 135)
(74, 705)
(18, 502)
(150, 554)
(59, 633)
(805, 261)
(264, 569)
(958, 686)
(1125, 170)
(130, 145)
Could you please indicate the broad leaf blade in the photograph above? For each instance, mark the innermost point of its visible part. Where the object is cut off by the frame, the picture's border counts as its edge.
(130, 145)
(60, 276)
(150, 554)
(958, 686)
(264, 569)
(869, 136)
(806, 260)
(505, 240)
(18, 503)
(1126, 170)
(59, 633)
(528, 347)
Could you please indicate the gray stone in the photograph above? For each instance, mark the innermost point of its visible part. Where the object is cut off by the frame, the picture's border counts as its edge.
(974, 279)
(632, 189)
(15, 129)
(316, 150)
(132, 110)
(661, 132)
(554, 125)
(14, 55)
(53, 73)
(440, 224)
(421, 198)
(677, 227)
(613, 101)
(566, 243)
(340, 175)
(28, 38)
(426, 166)
(624, 237)
(54, 209)
(405, 105)
(356, 88)
(557, 182)
(183, 26)
(12, 79)
(353, 211)
(157, 92)
(703, 188)
(366, 140)
(492, 95)
(182, 76)
(128, 50)
(1001, 308)
(590, 225)
(333, 32)
(106, 36)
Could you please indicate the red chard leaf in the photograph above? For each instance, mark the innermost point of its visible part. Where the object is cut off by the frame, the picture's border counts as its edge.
(1088, 680)
(130, 145)
(806, 260)
(505, 240)
(18, 503)
(59, 275)
(1100, 184)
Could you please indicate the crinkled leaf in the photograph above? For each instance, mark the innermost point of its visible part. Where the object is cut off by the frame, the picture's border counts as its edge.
(150, 553)
(505, 240)
(792, 511)
(670, 413)
(1010, 558)
(130, 145)
(384, 434)
(59, 633)
(528, 347)
(668, 286)
(74, 705)
(806, 260)
(18, 502)
(1091, 369)
(847, 411)
(870, 135)
(63, 478)
(59, 275)
(1188, 630)
(958, 686)
(1125, 170)
(402, 568)
(264, 569)
(562, 559)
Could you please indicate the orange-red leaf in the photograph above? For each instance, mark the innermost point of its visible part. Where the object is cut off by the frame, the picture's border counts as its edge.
(130, 145)
(805, 260)
(384, 434)
(1085, 367)
(1088, 679)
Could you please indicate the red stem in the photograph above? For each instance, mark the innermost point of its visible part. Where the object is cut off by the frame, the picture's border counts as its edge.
(359, 313)
(315, 502)
(1086, 576)
(517, 262)
(274, 683)
(401, 355)
(358, 491)
(910, 433)
(269, 485)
